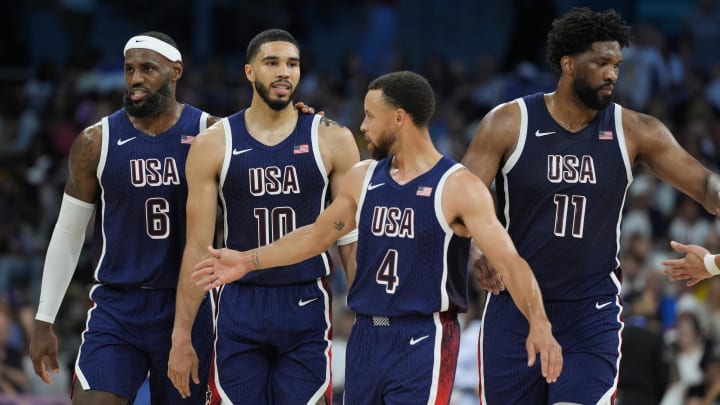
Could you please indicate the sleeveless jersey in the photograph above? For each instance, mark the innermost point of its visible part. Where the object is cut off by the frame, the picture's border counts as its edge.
(139, 232)
(409, 261)
(268, 191)
(562, 195)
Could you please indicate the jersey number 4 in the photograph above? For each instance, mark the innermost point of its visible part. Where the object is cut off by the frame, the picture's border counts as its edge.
(578, 214)
(387, 273)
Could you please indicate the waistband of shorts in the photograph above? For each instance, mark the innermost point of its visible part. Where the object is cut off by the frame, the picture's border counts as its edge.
(136, 287)
(387, 321)
(245, 283)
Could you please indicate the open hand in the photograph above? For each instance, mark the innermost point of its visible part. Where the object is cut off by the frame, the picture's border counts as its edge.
(540, 340)
(222, 267)
(691, 267)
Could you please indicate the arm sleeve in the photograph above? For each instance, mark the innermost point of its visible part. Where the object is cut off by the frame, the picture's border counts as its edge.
(62, 255)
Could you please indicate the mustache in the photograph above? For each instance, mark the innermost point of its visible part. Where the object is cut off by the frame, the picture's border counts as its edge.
(138, 87)
(281, 81)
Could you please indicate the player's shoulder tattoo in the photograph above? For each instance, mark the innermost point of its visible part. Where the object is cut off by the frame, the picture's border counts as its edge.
(328, 122)
(85, 151)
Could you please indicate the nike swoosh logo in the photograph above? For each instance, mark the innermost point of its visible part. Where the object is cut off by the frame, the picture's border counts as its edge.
(302, 302)
(240, 152)
(414, 341)
(122, 142)
(539, 134)
(601, 306)
(140, 40)
(374, 186)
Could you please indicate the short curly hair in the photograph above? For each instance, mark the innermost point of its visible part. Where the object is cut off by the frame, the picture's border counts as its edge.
(409, 91)
(574, 33)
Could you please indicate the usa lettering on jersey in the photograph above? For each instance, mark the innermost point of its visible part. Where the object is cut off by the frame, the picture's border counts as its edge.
(273, 180)
(154, 172)
(393, 222)
(571, 169)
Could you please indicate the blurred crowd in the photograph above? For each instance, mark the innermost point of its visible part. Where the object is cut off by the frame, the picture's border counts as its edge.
(671, 340)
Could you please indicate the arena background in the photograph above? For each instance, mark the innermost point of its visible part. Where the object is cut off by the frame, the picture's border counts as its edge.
(61, 70)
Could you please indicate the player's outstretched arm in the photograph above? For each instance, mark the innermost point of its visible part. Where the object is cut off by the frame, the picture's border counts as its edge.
(697, 265)
(474, 209)
(654, 144)
(227, 265)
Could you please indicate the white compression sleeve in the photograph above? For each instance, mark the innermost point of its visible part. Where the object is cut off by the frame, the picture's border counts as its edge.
(62, 255)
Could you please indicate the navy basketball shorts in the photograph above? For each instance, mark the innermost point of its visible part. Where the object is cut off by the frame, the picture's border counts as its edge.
(401, 360)
(589, 333)
(128, 338)
(273, 344)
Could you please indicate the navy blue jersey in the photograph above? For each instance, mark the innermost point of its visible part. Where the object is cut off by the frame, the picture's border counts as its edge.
(561, 196)
(268, 191)
(139, 232)
(409, 261)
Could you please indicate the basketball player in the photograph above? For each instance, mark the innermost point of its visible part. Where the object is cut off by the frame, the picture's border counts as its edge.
(273, 171)
(129, 169)
(562, 163)
(415, 210)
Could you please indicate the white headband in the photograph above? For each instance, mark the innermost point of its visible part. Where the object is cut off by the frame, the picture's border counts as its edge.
(153, 44)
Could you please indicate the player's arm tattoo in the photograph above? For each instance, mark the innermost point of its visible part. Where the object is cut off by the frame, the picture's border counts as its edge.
(339, 225)
(256, 259)
(84, 158)
(328, 122)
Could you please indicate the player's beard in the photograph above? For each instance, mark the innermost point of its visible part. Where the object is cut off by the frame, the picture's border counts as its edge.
(589, 96)
(152, 105)
(381, 149)
(276, 104)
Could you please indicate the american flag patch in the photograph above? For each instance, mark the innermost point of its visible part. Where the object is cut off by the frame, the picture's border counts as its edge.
(424, 191)
(187, 139)
(605, 135)
(298, 149)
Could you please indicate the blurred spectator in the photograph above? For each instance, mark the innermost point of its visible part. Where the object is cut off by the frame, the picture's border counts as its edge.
(466, 387)
(13, 379)
(343, 320)
(703, 28)
(642, 216)
(379, 39)
(644, 371)
(689, 350)
(689, 224)
(708, 391)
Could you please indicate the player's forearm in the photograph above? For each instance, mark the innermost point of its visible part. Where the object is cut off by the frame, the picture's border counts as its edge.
(188, 298)
(299, 245)
(62, 255)
(525, 291)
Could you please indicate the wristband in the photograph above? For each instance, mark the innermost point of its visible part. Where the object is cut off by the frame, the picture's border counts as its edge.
(348, 238)
(710, 265)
